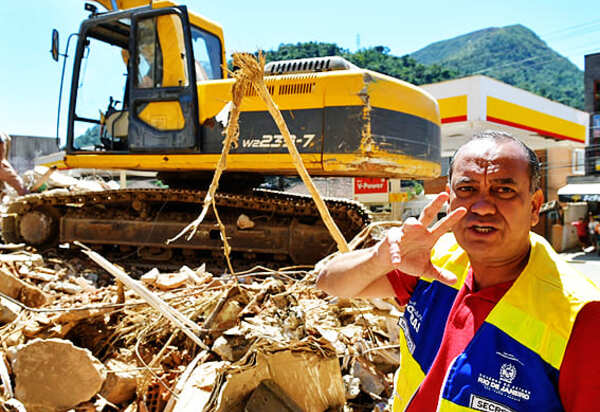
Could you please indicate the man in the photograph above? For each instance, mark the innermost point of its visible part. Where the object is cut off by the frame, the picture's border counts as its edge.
(7, 173)
(494, 320)
(582, 233)
(592, 227)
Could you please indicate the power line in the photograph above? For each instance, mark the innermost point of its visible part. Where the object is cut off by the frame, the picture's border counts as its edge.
(534, 58)
(570, 36)
(575, 27)
(507, 64)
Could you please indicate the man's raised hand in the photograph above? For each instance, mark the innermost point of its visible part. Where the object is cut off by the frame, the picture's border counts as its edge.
(410, 245)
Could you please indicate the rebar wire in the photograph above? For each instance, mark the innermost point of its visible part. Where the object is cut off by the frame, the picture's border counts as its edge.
(376, 348)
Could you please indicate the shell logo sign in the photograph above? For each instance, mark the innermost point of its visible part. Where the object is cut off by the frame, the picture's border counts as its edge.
(366, 185)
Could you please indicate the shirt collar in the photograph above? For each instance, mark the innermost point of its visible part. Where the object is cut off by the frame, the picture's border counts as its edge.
(492, 293)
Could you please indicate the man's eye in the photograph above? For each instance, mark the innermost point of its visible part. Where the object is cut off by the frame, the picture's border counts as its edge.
(505, 191)
(465, 189)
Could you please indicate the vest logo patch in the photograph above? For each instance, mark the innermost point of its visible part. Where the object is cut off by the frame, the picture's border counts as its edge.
(504, 387)
(508, 372)
(479, 403)
(415, 317)
(410, 344)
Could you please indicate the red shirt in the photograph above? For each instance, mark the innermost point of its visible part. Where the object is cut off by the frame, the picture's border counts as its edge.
(581, 227)
(579, 375)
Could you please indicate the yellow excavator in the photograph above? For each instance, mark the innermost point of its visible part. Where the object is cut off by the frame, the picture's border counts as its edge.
(150, 92)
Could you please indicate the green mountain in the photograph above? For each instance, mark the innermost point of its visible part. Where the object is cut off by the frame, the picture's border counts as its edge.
(512, 54)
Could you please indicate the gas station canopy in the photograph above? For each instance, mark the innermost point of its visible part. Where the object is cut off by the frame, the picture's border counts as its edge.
(477, 103)
(580, 192)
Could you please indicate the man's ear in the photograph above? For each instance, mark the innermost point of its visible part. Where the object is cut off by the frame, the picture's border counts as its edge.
(536, 203)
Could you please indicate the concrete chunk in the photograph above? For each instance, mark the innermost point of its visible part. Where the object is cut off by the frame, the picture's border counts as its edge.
(53, 374)
(150, 277)
(370, 380)
(120, 384)
(269, 397)
(8, 310)
(168, 281)
(244, 222)
(14, 287)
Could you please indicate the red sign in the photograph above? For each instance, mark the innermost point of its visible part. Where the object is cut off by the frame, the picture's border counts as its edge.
(364, 185)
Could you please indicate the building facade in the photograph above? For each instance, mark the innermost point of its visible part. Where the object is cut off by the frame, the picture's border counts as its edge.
(591, 81)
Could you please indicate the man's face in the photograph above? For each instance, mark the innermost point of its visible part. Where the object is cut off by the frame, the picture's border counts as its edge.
(491, 180)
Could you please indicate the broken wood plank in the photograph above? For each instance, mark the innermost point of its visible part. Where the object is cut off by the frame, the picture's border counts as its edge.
(44, 277)
(17, 289)
(33, 258)
(12, 246)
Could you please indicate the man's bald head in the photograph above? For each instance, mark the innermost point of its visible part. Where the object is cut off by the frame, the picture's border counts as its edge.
(503, 137)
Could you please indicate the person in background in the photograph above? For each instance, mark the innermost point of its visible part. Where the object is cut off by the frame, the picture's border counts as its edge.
(7, 173)
(598, 238)
(582, 232)
(593, 236)
(495, 320)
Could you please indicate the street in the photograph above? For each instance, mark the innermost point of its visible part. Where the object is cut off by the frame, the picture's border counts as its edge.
(587, 263)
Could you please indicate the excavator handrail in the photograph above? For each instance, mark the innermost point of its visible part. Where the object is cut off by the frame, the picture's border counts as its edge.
(112, 5)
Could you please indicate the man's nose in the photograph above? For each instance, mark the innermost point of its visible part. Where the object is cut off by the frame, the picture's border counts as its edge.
(483, 205)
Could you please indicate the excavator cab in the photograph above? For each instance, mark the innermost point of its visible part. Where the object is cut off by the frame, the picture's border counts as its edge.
(134, 81)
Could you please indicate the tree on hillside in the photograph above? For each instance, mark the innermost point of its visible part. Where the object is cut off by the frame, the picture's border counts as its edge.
(376, 58)
(303, 50)
(89, 138)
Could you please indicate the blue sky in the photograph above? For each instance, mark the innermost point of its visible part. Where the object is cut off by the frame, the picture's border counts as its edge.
(30, 78)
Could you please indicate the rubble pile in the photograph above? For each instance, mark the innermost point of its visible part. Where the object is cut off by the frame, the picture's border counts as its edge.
(267, 341)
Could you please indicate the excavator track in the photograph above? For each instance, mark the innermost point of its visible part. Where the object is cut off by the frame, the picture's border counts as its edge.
(285, 226)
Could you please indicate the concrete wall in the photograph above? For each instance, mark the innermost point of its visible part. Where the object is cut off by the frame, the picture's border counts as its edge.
(560, 165)
(24, 149)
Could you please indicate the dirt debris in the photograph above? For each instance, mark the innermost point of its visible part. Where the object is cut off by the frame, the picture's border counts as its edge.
(259, 330)
(264, 325)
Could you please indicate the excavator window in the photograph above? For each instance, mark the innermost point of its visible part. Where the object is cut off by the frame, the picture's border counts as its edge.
(160, 63)
(159, 60)
(207, 55)
(149, 56)
(100, 90)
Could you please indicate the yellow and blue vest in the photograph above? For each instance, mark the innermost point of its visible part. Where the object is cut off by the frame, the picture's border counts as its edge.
(512, 362)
